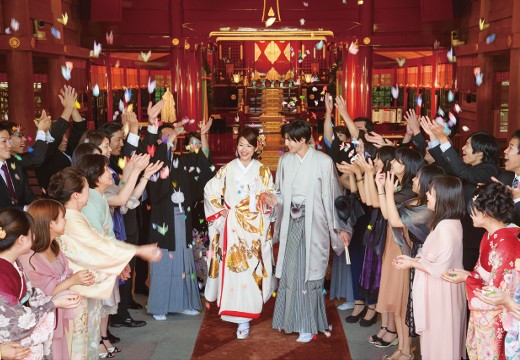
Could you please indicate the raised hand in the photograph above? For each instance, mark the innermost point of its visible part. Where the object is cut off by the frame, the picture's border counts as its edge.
(205, 126)
(380, 181)
(141, 162)
(68, 97)
(341, 105)
(376, 139)
(413, 122)
(427, 126)
(329, 105)
(154, 111)
(152, 168)
(391, 183)
(44, 122)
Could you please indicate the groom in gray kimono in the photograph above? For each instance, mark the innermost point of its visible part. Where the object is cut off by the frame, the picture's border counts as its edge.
(307, 224)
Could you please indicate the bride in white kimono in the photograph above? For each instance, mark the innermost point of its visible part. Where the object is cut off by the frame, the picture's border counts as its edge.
(240, 254)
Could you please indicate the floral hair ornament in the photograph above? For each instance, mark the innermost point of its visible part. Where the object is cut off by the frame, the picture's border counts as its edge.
(3, 233)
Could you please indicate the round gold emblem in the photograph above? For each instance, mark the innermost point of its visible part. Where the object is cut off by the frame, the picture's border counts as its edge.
(175, 41)
(366, 40)
(186, 45)
(14, 42)
(311, 96)
(233, 97)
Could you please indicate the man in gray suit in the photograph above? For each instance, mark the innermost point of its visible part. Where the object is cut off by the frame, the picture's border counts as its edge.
(307, 224)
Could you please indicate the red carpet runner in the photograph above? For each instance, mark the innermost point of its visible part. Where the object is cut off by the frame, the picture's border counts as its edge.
(217, 339)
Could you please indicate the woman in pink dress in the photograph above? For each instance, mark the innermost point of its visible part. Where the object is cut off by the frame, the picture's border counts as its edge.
(492, 209)
(440, 307)
(48, 269)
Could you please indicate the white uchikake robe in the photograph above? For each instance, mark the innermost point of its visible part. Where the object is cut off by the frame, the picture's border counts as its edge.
(240, 255)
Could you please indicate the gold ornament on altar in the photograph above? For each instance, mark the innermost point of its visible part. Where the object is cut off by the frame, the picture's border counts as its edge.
(14, 42)
(168, 110)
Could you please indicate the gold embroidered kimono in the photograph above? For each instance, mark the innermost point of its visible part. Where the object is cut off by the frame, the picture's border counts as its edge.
(240, 254)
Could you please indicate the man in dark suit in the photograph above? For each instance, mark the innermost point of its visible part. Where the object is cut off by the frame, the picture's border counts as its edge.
(59, 152)
(511, 177)
(14, 186)
(477, 165)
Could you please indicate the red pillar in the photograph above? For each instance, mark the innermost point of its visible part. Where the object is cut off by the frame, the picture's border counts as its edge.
(56, 80)
(514, 74)
(359, 81)
(19, 65)
(357, 69)
(110, 100)
(192, 81)
(177, 56)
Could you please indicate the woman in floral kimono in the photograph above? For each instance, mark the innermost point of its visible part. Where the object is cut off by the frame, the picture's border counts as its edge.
(240, 256)
(27, 315)
(48, 269)
(492, 209)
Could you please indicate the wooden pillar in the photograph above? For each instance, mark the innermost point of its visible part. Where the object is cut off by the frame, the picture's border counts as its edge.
(514, 74)
(19, 65)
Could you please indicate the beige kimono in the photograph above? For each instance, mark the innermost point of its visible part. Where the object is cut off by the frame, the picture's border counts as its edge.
(85, 248)
(322, 224)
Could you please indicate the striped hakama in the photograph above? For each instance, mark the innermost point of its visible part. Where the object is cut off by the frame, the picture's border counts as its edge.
(300, 305)
(173, 280)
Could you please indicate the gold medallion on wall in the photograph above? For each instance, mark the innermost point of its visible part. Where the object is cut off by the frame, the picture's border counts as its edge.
(14, 42)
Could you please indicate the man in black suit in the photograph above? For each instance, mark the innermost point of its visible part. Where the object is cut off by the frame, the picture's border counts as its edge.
(477, 165)
(14, 186)
(511, 177)
(59, 152)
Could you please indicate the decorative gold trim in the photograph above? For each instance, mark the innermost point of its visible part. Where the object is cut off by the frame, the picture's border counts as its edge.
(366, 40)
(271, 35)
(14, 42)
(33, 42)
(509, 41)
(186, 45)
(175, 41)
